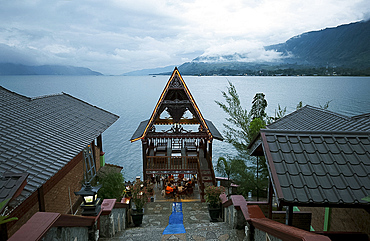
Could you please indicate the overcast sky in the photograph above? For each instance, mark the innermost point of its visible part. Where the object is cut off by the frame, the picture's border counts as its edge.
(117, 36)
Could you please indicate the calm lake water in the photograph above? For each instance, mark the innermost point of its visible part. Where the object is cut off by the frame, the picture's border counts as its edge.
(133, 98)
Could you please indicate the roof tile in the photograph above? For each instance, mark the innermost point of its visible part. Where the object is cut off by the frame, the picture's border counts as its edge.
(42, 135)
(326, 171)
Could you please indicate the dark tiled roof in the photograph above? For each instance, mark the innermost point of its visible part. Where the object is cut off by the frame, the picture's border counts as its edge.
(319, 168)
(140, 130)
(215, 133)
(11, 185)
(313, 118)
(41, 135)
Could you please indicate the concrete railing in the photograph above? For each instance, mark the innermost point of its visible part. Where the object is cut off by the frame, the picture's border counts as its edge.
(55, 226)
(238, 214)
(113, 218)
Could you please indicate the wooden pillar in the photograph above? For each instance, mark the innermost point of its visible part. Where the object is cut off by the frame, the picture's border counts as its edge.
(100, 142)
(258, 196)
(93, 152)
(289, 215)
(210, 152)
(41, 200)
(144, 146)
(270, 194)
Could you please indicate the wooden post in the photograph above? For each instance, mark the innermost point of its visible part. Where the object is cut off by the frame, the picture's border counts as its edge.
(41, 200)
(100, 142)
(144, 146)
(270, 198)
(289, 215)
(258, 196)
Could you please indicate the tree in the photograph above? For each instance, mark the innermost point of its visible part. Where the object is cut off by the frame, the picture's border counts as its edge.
(259, 105)
(225, 168)
(236, 133)
(240, 130)
(113, 185)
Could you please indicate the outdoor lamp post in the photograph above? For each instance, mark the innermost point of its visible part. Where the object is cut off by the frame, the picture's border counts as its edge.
(91, 202)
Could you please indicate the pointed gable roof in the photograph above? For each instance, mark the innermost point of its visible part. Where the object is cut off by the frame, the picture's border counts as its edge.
(176, 99)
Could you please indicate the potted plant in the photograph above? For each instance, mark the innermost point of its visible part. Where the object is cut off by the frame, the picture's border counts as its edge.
(212, 194)
(139, 198)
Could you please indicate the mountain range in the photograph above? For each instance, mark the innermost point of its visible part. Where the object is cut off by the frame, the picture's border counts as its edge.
(20, 69)
(343, 50)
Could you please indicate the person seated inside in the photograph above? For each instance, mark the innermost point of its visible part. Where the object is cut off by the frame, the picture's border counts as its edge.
(169, 189)
(171, 178)
(181, 177)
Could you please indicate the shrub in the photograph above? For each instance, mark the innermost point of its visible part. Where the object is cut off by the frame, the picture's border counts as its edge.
(113, 185)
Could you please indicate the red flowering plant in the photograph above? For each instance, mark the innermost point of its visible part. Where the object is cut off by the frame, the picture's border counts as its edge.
(213, 195)
(140, 195)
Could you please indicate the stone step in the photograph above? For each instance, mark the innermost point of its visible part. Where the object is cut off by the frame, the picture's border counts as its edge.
(196, 222)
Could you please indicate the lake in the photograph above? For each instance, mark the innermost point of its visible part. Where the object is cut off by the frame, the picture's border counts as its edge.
(133, 98)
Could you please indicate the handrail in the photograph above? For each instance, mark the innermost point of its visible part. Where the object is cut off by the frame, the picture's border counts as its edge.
(172, 162)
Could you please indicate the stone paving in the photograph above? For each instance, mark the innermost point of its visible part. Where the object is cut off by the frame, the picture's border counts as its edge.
(196, 221)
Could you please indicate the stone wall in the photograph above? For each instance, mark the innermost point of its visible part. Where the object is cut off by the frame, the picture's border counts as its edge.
(260, 235)
(113, 218)
(66, 233)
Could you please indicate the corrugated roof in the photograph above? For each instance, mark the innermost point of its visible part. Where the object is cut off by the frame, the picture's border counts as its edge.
(319, 168)
(41, 135)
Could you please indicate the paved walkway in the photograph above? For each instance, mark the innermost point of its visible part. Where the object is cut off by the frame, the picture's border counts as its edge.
(196, 222)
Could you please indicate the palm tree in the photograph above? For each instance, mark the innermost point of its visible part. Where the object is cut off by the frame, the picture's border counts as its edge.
(224, 167)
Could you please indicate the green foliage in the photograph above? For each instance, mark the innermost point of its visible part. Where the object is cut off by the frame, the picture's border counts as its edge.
(367, 199)
(280, 112)
(326, 105)
(259, 105)
(212, 195)
(247, 171)
(236, 133)
(224, 166)
(113, 185)
(254, 128)
(299, 105)
(4, 218)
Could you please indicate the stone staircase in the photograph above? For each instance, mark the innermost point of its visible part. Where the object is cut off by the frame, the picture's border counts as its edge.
(196, 222)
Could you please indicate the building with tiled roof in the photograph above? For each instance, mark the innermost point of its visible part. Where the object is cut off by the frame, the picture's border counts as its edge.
(318, 158)
(50, 138)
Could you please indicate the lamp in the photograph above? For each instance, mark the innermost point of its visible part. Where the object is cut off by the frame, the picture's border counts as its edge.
(90, 198)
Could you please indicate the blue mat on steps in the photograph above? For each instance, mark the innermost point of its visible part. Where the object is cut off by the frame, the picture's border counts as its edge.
(175, 223)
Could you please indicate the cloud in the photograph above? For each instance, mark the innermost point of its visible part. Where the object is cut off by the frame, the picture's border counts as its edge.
(117, 36)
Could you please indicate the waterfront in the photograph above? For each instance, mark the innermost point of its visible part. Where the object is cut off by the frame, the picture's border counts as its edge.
(133, 98)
